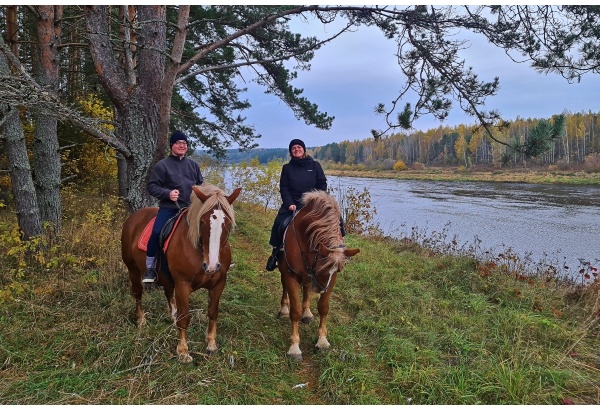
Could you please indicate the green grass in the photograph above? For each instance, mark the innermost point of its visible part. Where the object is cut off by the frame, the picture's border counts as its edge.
(406, 325)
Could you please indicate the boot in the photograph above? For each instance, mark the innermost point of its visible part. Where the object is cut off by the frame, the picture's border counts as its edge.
(272, 261)
(150, 276)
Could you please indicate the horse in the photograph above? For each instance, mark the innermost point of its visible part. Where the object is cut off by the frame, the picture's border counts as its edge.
(313, 255)
(198, 256)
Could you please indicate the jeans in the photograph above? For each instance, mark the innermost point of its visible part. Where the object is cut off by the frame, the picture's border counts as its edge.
(164, 214)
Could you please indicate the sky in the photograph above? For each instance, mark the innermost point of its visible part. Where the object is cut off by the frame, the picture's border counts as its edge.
(358, 70)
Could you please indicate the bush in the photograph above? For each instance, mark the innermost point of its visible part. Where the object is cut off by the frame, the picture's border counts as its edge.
(592, 162)
(400, 166)
(388, 164)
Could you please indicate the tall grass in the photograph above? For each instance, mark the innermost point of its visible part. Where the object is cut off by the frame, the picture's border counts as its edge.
(407, 325)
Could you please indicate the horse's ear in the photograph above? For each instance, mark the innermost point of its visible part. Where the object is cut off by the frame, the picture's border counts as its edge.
(351, 252)
(199, 193)
(233, 196)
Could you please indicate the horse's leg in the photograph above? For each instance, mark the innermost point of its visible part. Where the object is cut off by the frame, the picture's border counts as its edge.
(182, 298)
(323, 307)
(307, 315)
(295, 314)
(171, 304)
(137, 290)
(214, 295)
(284, 309)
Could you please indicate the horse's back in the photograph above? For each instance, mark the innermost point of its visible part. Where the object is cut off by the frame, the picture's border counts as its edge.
(132, 229)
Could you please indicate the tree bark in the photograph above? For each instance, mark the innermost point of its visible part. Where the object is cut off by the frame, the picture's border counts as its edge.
(172, 68)
(46, 155)
(12, 29)
(142, 101)
(28, 215)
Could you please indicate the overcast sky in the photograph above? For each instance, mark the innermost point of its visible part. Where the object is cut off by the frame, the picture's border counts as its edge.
(355, 72)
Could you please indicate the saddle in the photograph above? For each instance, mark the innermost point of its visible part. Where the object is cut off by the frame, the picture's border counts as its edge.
(165, 232)
(283, 227)
(281, 232)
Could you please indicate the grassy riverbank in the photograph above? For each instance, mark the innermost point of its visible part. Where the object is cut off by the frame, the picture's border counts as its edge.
(407, 326)
(482, 175)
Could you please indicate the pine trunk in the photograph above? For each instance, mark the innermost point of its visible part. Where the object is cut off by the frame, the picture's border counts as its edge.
(46, 153)
(28, 214)
(141, 99)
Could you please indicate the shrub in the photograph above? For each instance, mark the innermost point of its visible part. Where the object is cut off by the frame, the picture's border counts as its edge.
(400, 166)
(592, 162)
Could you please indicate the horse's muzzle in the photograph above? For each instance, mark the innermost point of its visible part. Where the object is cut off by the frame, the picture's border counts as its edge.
(210, 271)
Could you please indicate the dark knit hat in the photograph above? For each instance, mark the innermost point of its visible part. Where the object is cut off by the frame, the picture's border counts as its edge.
(177, 136)
(296, 141)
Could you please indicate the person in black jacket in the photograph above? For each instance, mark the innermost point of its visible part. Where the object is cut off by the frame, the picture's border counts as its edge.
(171, 183)
(302, 174)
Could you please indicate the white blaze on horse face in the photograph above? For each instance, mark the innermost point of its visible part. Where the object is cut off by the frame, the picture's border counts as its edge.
(331, 272)
(217, 221)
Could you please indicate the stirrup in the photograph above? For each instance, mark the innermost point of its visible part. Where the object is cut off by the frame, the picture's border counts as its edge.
(150, 276)
(271, 263)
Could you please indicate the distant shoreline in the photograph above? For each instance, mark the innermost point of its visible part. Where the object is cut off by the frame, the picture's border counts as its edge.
(453, 174)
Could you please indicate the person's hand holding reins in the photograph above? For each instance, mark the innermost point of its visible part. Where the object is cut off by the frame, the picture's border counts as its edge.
(174, 195)
(292, 207)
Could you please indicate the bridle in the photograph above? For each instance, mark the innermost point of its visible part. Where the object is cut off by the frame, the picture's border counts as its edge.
(312, 269)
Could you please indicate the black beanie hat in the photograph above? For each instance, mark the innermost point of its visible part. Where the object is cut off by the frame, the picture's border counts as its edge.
(296, 141)
(177, 136)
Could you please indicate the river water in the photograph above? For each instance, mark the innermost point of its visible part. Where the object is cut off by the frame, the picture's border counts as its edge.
(539, 223)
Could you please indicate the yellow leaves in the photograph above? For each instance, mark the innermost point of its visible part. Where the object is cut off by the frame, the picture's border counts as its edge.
(400, 166)
(13, 290)
(260, 182)
(98, 161)
(94, 107)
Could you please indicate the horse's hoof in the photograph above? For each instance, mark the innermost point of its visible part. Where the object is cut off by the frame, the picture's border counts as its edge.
(307, 319)
(211, 348)
(282, 314)
(185, 358)
(295, 357)
(322, 344)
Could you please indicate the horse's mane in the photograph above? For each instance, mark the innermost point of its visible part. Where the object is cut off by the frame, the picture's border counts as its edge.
(216, 197)
(324, 210)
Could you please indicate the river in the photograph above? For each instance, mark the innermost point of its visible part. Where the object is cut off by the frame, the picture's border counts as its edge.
(540, 223)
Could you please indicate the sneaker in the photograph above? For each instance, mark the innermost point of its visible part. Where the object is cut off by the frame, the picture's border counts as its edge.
(271, 263)
(150, 276)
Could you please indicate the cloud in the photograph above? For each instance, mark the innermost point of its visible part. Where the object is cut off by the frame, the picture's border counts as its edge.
(358, 70)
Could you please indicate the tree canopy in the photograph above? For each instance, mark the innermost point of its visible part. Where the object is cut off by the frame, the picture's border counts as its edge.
(178, 67)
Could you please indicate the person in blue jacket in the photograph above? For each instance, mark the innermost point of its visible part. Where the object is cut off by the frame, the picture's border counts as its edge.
(170, 182)
(301, 174)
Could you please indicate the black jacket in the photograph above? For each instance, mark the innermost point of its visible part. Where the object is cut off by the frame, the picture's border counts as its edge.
(172, 173)
(298, 177)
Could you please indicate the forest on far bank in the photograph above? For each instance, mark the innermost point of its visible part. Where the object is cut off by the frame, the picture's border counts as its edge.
(462, 145)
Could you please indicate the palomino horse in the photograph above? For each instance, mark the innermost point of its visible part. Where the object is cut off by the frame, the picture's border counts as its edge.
(313, 255)
(198, 256)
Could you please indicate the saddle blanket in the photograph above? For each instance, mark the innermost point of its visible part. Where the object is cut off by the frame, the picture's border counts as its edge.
(145, 236)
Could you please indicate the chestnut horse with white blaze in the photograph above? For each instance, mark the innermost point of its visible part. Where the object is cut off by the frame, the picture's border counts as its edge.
(313, 256)
(198, 256)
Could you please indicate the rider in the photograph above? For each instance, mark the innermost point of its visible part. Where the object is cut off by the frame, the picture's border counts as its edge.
(171, 183)
(300, 175)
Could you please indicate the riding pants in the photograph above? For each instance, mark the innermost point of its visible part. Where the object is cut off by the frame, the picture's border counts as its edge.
(164, 214)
